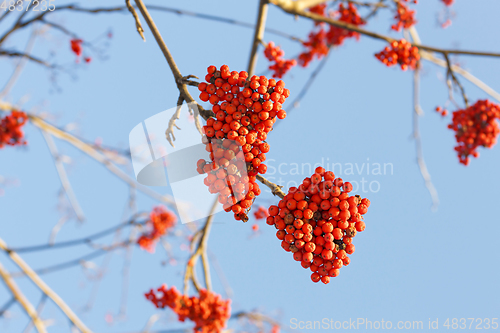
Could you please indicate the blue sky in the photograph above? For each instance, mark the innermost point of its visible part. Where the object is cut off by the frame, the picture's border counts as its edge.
(410, 264)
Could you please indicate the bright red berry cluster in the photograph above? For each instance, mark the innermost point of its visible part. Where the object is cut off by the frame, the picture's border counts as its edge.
(319, 41)
(402, 53)
(405, 17)
(208, 311)
(261, 213)
(475, 126)
(160, 220)
(280, 66)
(11, 132)
(317, 221)
(245, 112)
(448, 2)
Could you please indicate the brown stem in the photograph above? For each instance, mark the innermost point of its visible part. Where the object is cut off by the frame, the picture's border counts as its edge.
(258, 36)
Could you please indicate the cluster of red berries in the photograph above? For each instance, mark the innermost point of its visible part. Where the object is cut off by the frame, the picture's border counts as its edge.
(160, 220)
(443, 112)
(208, 311)
(448, 2)
(76, 47)
(317, 221)
(402, 53)
(280, 66)
(261, 213)
(405, 18)
(319, 41)
(245, 112)
(11, 132)
(475, 126)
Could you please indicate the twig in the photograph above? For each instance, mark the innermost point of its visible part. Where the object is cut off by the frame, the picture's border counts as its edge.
(16, 54)
(201, 250)
(170, 60)
(39, 309)
(169, 133)
(451, 73)
(61, 171)
(78, 241)
(138, 25)
(418, 143)
(21, 299)
(20, 65)
(258, 35)
(7, 305)
(275, 189)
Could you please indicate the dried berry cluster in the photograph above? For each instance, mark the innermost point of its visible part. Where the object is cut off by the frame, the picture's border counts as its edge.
(208, 311)
(11, 132)
(319, 41)
(475, 126)
(399, 53)
(317, 221)
(245, 112)
(405, 17)
(160, 220)
(279, 65)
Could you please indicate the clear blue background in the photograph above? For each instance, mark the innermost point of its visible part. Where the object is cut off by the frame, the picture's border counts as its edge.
(410, 263)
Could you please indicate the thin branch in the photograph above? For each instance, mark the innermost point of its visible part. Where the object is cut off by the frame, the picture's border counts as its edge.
(39, 309)
(173, 66)
(201, 250)
(258, 35)
(16, 54)
(20, 65)
(418, 142)
(138, 25)
(21, 299)
(63, 177)
(84, 240)
(169, 133)
(74, 262)
(451, 73)
(7, 306)
(275, 189)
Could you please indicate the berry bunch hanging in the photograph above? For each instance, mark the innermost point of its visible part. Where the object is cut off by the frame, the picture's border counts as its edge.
(208, 311)
(261, 213)
(447, 2)
(317, 222)
(11, 132)
(318, 43)
(475, 126)
(245, 112)
(405, 17)
(279, 65)
(443, 112)
(160, 221)
(399, 53)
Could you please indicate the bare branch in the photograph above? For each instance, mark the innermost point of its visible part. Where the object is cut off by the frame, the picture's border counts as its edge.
(138, 25)
(16, 54)
(275, 189)
(61, 171)
(39, 309)
(258, 36)
(418, 142)
(22, 300)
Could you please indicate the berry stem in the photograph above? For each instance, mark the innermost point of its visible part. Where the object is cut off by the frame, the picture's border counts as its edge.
(258, 36)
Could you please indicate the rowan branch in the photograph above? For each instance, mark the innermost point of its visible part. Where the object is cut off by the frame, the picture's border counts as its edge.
(138, 25)
(290, 7)
(169, 133)
(44, 288)
(22, 300)
(275, 189)
(201, 250)
(16, 54)
(451, 73)
(258, 36)
(418, 142)
(63, 177)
